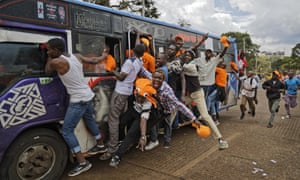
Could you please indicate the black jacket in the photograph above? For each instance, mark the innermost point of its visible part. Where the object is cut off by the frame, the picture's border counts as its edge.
(273, 88)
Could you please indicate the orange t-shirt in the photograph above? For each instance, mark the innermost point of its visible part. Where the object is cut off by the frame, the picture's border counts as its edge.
(148, 62)
(221, 77)
(108, 64)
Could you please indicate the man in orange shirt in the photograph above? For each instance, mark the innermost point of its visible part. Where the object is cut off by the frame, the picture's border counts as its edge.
(219, 94)
(179, 43)
(148, 59)
(107, 64)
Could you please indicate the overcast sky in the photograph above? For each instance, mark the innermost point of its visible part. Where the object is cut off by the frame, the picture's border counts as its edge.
(272, 24)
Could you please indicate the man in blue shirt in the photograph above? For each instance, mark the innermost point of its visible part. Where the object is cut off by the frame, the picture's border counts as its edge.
(291, 85)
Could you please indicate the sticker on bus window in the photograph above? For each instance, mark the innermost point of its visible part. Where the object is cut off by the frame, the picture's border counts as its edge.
(45, 80)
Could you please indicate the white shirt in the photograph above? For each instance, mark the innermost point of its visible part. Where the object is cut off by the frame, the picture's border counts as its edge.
(143, 108)
(207, 70)
(74, 81)
(132, 68)
(248, 84)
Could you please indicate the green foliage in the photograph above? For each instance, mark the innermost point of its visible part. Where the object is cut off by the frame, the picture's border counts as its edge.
(137, 7)
(245, 43)
(100, 2)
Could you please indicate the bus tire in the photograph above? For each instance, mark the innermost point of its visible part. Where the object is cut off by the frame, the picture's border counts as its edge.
(36, 154)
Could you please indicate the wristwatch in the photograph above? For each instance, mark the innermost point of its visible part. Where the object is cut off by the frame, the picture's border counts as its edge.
(143, 137)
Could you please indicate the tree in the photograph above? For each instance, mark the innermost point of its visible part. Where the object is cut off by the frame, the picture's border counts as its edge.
(149, 9)
(100, 2)
(137, 7)
(245, 43)
(183, 23)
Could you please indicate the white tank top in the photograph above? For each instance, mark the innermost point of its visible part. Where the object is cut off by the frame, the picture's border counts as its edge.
(74, 81)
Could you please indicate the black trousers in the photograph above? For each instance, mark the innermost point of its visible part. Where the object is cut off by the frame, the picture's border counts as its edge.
(131, 119)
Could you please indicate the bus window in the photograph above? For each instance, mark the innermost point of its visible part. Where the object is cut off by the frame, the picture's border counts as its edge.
(18, 60)
(91, 45)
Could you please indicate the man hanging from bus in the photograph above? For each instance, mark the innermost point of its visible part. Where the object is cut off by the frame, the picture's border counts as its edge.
(70, 71)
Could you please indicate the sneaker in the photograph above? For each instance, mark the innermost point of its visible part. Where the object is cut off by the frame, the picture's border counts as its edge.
(97, 149)
(105, 156)
(152, 145)
(242, 115)
(288, 116)
(166, 145)
(80, 168)
(223, 144)
(270, 125)
(253, 113)
(115, 161)
(217, 122)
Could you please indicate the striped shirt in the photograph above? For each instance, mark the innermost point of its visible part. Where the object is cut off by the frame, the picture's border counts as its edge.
(168, 99)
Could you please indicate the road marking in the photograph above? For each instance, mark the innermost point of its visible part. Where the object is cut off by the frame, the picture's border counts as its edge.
(192, 163)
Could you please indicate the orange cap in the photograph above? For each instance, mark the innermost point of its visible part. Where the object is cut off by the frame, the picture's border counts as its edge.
(278, 74)
(178, 38)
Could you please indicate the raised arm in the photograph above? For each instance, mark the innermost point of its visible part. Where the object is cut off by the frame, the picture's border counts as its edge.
(92, 60)
(200, 42)
(226, 43)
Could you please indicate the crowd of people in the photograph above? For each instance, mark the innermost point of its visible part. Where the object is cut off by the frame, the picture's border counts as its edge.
(154, 92)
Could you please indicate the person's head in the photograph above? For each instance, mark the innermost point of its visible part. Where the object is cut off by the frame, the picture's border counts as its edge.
(157, 78)
(172, 50)
(291, 74)
(189, 55)
(250, 74)
(139, 50)
(208, 53)
(55, 47)
(161, 60)
(275, 75)
(222, 65)
(179, 42)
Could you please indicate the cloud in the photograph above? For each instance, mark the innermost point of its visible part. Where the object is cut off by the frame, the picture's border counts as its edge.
(274, 25)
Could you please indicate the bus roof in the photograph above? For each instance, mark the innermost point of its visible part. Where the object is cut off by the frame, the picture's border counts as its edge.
(150, 20)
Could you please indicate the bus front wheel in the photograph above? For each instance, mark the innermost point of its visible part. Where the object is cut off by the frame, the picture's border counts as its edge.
(36, 154)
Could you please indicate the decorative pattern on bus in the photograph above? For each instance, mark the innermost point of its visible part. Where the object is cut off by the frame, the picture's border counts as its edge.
(24, 104)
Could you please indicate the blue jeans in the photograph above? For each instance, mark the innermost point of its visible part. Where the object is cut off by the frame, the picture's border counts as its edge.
(75, 112)
(211, 102)
(208, 90)
(167, 130)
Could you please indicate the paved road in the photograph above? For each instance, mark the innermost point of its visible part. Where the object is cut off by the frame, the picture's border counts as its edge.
(274, 153)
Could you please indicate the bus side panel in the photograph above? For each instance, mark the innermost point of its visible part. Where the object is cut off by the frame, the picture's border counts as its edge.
(30, 102)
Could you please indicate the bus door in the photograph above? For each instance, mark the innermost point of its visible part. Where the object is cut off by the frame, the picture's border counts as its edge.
(98, 76)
